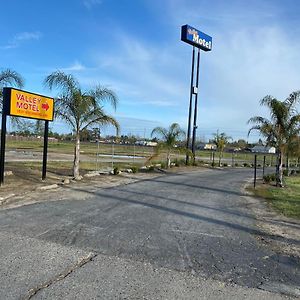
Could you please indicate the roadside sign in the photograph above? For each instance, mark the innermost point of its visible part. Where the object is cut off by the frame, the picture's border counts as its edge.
(29, 105)
(196, 38)
(24, 104)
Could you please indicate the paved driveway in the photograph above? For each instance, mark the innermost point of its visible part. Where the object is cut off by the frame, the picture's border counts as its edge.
(175, 236)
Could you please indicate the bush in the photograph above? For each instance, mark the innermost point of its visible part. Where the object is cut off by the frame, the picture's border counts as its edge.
(225, 165)
(273, 177)
(285, 173)
(179, 162)
(163, 165)
(213, 164)
(134, 169)
(246, 165)
(116, 171)
(236, 164)
(267, 178)
(151, 168)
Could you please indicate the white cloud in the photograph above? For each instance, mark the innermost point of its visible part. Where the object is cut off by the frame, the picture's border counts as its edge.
(149, 70)
(22, 37)
(75, 67)
(90, 3)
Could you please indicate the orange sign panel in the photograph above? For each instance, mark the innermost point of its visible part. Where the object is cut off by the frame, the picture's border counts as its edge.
(28, 105)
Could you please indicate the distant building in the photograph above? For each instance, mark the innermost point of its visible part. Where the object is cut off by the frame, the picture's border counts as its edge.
(207, 146)
(146, 143)
(263, 149)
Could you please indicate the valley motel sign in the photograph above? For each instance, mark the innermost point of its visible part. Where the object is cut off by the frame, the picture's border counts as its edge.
(203, 42)
(19, 103)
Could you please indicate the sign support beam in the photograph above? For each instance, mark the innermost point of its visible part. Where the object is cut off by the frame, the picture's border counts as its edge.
(195, 109)
(3, 140)
(46, 132)
(190, 108)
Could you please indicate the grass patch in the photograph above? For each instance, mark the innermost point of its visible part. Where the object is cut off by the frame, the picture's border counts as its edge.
(285, 200)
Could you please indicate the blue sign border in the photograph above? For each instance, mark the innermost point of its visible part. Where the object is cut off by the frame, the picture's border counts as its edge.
(196, 38)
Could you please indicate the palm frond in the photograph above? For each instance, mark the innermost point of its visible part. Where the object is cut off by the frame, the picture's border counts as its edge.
(292, 99)
(11, 77)
(103, 94)
(160, 131)
(60, 80)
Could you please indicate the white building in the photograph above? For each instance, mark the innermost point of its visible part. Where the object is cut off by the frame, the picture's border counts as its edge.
(263, 149)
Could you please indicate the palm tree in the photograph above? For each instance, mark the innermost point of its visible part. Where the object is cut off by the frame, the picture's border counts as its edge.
(9, 77)
(170, 137)
(80, 109)
(281, 129)
(221, 140)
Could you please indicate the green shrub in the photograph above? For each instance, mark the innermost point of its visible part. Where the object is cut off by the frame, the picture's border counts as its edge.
(246, 165)
(225, 165)
(163, 165)
(134, 169)
(285, 173)
(267, 178)
(179, 162)
(236, 164)
(273, 177)
(213, 164)
(116, 171)
(151, 168)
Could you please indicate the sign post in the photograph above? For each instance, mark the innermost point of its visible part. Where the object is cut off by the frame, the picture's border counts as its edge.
(203, 42)
(24, 104)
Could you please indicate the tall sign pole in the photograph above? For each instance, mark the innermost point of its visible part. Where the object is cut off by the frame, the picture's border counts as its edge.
(201, 41)
(190, 107)
(195, 108)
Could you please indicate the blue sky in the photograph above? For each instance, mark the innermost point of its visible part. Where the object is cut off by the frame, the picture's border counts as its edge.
(134, 48)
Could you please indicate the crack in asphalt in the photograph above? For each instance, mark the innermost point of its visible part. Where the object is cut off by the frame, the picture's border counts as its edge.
(33, 291)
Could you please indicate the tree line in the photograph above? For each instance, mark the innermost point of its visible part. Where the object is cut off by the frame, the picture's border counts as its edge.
(83, 109)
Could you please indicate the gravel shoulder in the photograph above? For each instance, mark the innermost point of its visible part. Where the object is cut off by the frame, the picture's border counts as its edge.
(285, 231)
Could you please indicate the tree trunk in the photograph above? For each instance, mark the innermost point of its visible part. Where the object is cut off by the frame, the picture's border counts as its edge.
(76, 157)
(220, 157)
(279, 171)
(287, 165)
(168, 160)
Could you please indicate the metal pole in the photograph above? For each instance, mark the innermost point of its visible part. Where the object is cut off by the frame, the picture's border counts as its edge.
(2, 151)
(97, 156)
(264, 165)
(190, 108)
(195, 108)
(45, 150)
(255, 162)
(5, 111)
(112, 155)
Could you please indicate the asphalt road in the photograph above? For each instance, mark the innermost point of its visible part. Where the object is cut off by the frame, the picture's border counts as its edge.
(184, 236)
